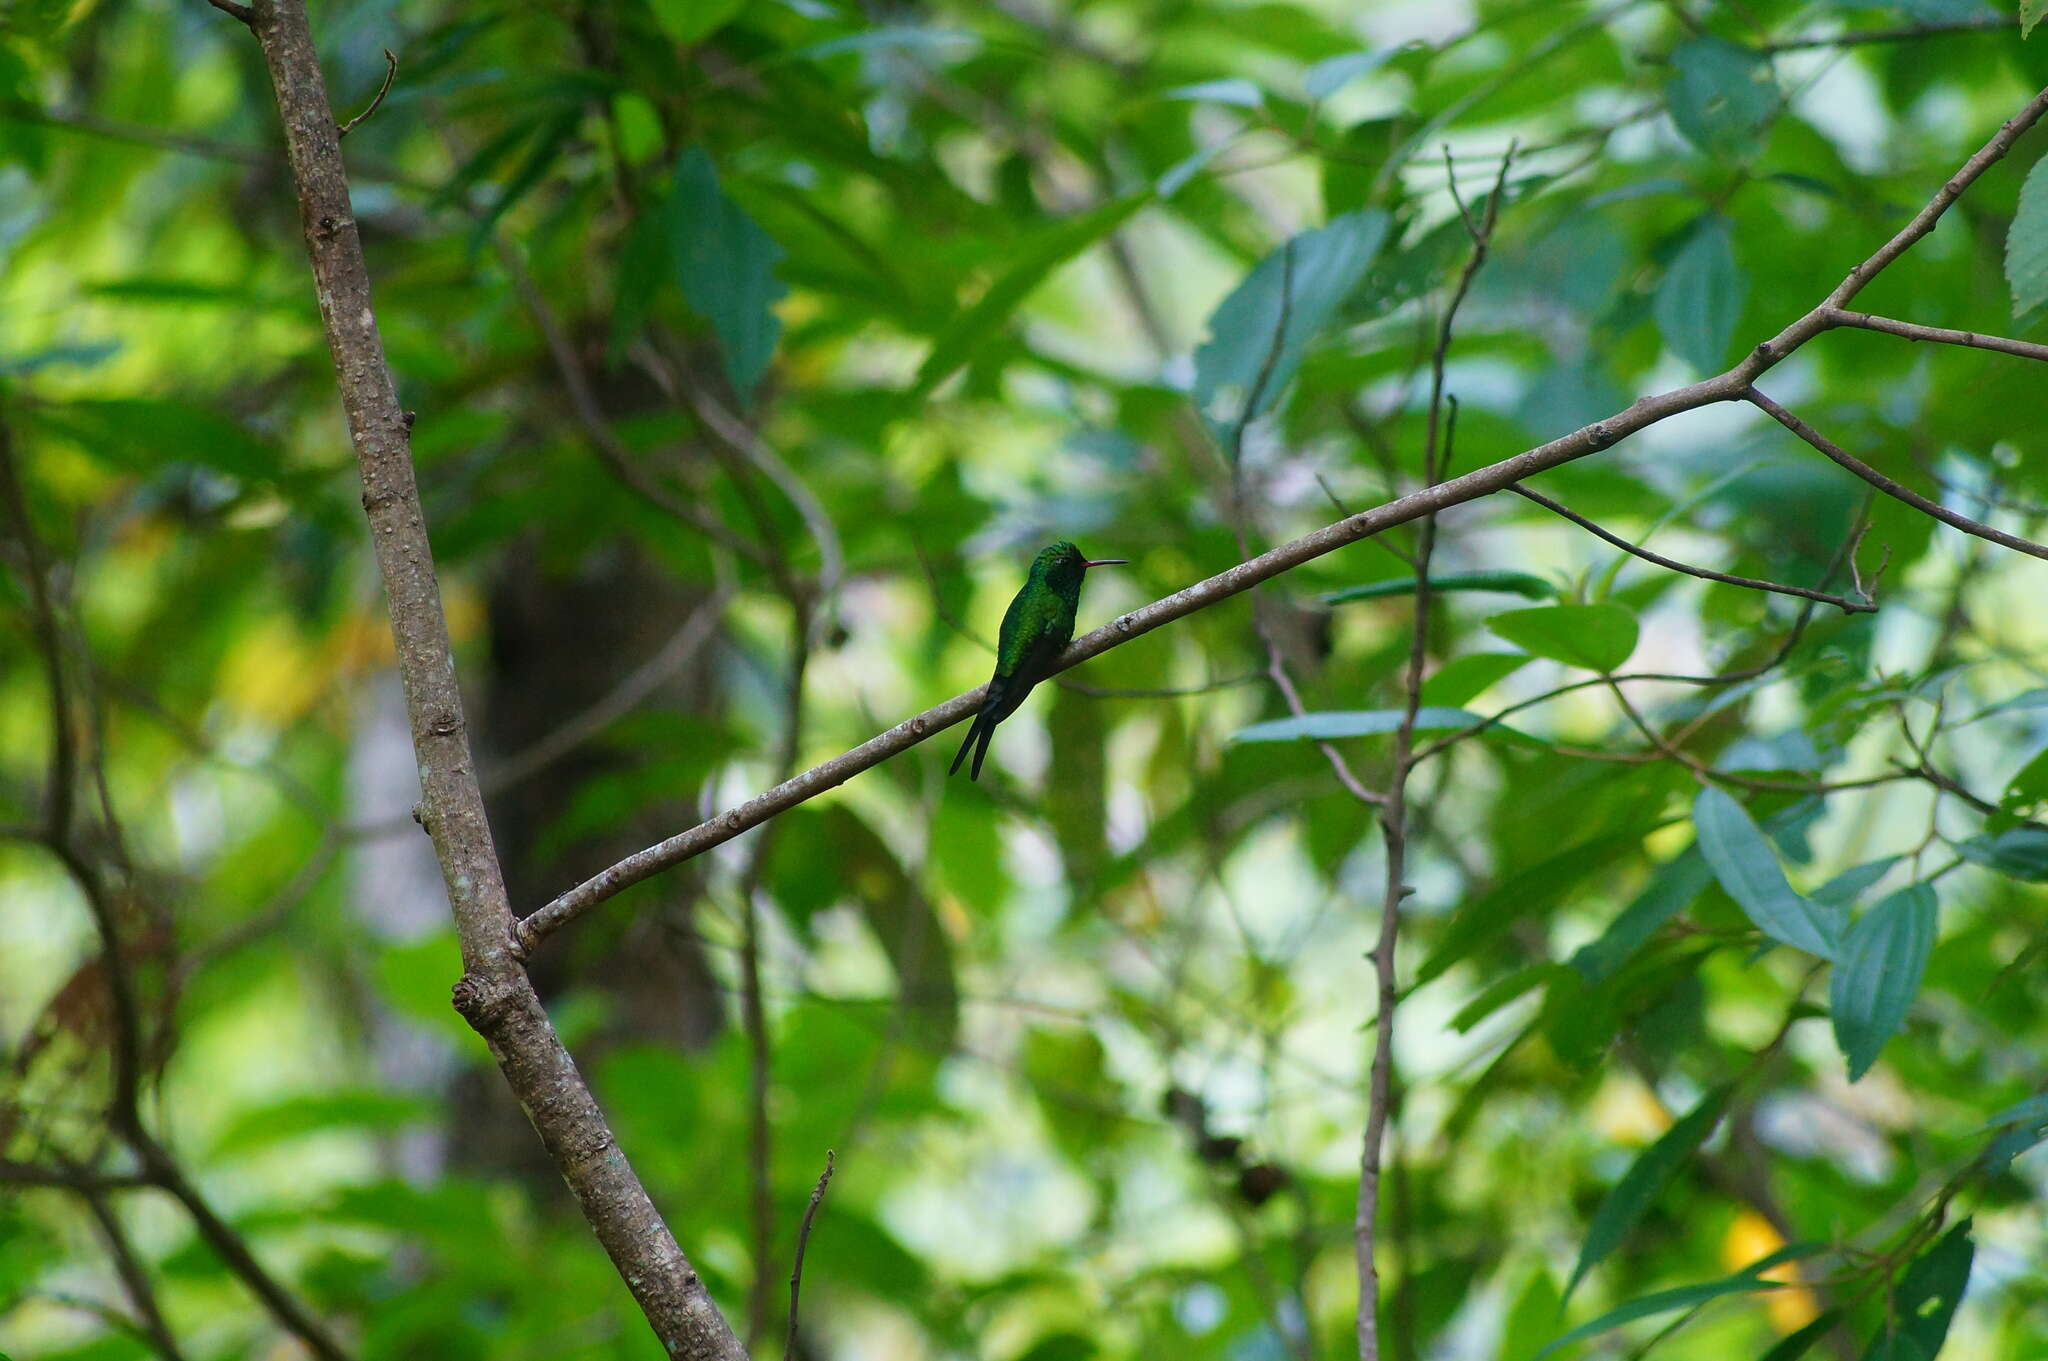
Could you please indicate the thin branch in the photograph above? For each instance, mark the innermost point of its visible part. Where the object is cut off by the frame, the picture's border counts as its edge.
(245, 14)
(1940, 335)
(79, 1179)
(803, 1239)
(1890, 488)
(63, 760)
(1842, 603)
(1600, 435)
(1864, 37)
(390, 74)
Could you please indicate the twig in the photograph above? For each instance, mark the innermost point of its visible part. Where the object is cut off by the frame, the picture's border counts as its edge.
(242, 12)
(390, 74)
(803, 1239)
(1600, 435)
(1940, 335)
(1842, 603)
(1862, 37)
(1890, 488)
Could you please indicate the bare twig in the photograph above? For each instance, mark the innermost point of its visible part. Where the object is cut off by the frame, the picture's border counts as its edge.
(390, 74)
(240, 11)
(1842, 603)
(494, 995)
(1600, 435)
(803, 1239)
(1890, 488)
(1906, 33)
(1940, 335)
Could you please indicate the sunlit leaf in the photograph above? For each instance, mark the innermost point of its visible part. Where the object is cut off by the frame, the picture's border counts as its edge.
(1513, 583)
(1596, 637)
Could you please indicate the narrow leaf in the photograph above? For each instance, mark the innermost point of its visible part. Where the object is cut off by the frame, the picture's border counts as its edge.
(1240, 92)
(1323, 727)
(1663, 1302)
(1884, 953)
(1644, 1181)
(1927, 1295)
(1596, 637)
(1516, 583)
(1747, 867)
(1846, 887)
(1700, 300)
(1332, 74)
(688, 21)
(1461, 679)
(971, 328)
(1795, 1345)
(1670, 891)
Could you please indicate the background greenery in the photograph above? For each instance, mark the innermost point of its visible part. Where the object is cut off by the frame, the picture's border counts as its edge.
(1088, 1037)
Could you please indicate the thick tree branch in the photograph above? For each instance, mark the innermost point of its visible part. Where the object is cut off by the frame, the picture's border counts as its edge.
(1734, 385)
(1889, 487)
(1842, 603)
(495, 995)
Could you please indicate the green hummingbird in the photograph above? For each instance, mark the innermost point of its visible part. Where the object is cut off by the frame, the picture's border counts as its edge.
(1036, 628)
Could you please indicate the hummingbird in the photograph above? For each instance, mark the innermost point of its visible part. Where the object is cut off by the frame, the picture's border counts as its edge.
(1036, 628)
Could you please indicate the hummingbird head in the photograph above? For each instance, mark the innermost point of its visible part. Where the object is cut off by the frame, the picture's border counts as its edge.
(1061, 565)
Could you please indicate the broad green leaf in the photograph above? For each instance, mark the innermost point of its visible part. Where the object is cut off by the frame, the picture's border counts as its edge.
(1534, 1313)
(1663, 1302)
(1328, 726)
(1720, 95)
(364, 1109)
(1534, 889)
(1332, 74)
(1461, 679)
(1596, 637)
(1240, 92)
(689, 21)
(1670, 891)
(726, 266)
(2026, 243)
(1514, 583)
(1884, 953)
(971, 328)
(643, 268)
(1795, 1345)
(1748, 868)
(1700, 300)
(1240, 370)
(2031, 13)
(2021, 852)
(1644, 1181)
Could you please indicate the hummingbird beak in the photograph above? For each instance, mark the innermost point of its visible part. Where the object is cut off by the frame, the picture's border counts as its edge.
(1105, 562)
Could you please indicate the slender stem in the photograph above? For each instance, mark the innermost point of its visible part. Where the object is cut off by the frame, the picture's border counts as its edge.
(1940, 335)
(803, 1240)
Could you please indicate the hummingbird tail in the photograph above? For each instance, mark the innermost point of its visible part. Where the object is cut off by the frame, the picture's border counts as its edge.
(974, 730)
(988, 733)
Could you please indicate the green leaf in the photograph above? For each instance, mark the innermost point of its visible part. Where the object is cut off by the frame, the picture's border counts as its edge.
(317, 1113)
(1516, 583)
(1240, 92)
(1663, 1302)
(726, 266)
(2021, 852)
(1927, 1295)
(1883, 955)
(1461, 679)
(144, 435)
(1670, 891)
(643, 268)
(1699, 303)
(1328, 726)
(1534, 889)
(1596, 637)
(2026, 243)
(1747, 867)
(1720, 95)
(1846, 887)
(2029, 787)
(1332, 74)
(1795, 1345)
(690, 21)
(971, 328)
(1644, 1181)
(2031, 12)
(1239, 370)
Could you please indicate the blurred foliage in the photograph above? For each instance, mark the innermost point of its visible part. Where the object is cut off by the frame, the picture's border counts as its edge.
(1086, 1037)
